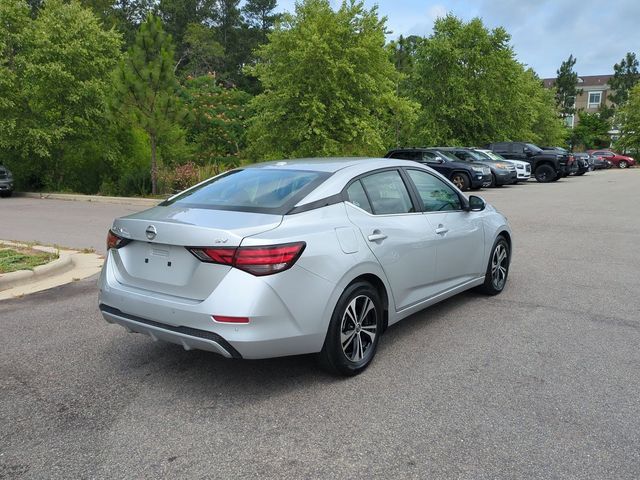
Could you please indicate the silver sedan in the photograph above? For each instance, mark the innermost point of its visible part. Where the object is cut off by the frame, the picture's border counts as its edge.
(301, 256)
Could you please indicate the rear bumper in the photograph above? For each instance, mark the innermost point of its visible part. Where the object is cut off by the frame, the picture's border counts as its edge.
(189, 338)
(506, 178)
(286, 313)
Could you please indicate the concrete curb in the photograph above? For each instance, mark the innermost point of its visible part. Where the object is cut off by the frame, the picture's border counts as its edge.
(91, 198)
(70, 266)
(21, 277)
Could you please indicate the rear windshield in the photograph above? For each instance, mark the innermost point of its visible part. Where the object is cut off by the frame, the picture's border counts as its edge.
(261, 190)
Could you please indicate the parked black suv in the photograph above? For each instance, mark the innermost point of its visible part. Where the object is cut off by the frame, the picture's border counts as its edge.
(463, 175)
(546, 165)
(502, 173)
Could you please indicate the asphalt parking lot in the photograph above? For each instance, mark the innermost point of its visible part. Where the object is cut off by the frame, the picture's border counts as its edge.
(542, 381)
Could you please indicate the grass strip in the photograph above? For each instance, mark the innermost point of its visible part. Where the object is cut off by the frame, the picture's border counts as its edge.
(12, 260)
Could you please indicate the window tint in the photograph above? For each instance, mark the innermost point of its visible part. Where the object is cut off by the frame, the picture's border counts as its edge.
(436, 195)
(407, 155)
(388, 193)
(505, 147)
(357, 196)
(252, 189)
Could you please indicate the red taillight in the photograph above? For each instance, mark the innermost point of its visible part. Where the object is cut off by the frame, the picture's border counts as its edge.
(224, 319)
(263, 260)
(115, 241)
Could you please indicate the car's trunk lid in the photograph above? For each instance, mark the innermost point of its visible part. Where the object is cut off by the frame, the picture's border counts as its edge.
(156, 259)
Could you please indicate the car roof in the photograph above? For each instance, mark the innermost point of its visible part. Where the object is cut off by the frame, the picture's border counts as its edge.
(317, 164)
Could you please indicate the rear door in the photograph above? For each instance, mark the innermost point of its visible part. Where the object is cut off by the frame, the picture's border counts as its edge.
(397, 233)
(460, 234)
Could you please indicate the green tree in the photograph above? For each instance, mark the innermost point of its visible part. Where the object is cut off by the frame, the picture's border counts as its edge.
(330, 88)
(15, 32)
(59, 90)
(625, 77)
(123, 15)
(567, 87)
(148, 87)
(218, 122)
(541, 124)
(201, 53)
(259, 14)
(629, 117)
(469, 86)
(591, 131)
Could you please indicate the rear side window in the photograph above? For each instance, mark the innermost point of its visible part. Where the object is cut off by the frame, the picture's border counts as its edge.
(387, 193)
(356, 195)
(413, 155)
(504, 147)
(436, 195)
(261, 190)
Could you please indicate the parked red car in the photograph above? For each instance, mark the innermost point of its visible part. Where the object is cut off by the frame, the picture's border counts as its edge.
(620, 161)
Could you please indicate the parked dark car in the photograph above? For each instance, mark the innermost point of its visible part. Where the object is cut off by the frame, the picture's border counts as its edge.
(6, 182)
(584, 163)
(599, 163)
(546, 165)
(502, 173)
(463, 175)
(617, 159)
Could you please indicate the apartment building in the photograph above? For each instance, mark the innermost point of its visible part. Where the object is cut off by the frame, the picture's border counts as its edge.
(595, 93)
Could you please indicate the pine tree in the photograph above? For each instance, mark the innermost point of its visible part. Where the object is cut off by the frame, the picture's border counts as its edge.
(567, 87)
(259, 14)
(625, 77)
(148, 86)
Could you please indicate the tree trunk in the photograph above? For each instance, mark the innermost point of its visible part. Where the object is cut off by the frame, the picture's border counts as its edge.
(154, 165)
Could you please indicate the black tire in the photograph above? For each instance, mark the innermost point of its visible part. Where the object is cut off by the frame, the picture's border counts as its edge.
(493, 181)
(6, 194)
(545, 174)
(580, 173)
(623, 164)
(461, 180)
(492, 285)
(344, 360)
(558, 177)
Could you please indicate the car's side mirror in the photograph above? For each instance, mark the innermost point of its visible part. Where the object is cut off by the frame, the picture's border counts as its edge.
(439, 160)
(476, 204)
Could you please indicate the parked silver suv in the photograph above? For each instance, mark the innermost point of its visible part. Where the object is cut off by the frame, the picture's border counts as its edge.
(6, 182)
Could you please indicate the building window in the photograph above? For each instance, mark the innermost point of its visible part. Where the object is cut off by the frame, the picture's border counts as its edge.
(594, 99)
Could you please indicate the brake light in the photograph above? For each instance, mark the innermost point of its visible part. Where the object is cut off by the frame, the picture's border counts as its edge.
(115, 241)
(259, 261)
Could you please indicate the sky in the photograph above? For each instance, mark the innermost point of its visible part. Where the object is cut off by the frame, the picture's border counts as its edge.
(543, 33)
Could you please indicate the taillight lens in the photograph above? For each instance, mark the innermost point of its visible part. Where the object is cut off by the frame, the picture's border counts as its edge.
(259, 261)
(225, 319)
(115, 241)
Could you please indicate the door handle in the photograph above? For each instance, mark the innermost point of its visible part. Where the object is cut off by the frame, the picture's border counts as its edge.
(376, 236)
(441, 230)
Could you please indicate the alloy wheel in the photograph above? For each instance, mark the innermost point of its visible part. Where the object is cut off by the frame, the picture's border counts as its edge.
(358, 328)
(499, 265)
(458, 181)
(622, 164)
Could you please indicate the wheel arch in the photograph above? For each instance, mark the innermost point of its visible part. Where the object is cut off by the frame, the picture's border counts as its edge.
(381, 288)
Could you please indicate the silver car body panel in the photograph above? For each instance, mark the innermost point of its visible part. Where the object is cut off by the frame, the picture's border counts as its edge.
(159, 281)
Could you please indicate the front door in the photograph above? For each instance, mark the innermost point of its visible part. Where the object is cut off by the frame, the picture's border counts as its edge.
(397, 233)
(460, 243)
